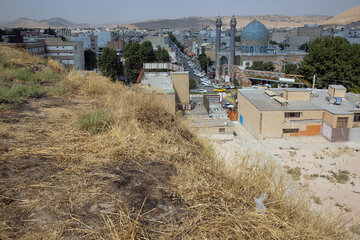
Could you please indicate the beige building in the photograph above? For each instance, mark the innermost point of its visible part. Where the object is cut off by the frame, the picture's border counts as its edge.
(170, 86)
(291, 112)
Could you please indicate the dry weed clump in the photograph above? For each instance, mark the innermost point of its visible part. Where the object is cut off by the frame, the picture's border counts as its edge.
(146, 177)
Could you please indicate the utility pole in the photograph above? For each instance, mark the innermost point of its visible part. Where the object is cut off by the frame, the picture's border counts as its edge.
(313, 85)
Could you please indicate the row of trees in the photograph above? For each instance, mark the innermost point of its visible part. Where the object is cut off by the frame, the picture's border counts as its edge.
(176, 42)
(135, 55)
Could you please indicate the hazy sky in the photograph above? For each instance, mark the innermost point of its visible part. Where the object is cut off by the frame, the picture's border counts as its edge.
(125, 11)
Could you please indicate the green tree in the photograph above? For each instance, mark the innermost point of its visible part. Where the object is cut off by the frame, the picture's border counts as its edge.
(290, 68)
(204, 61)
(334, 61)
(90, 60)
(260, 66)
(2, 32)
(192, 83)
(133, 62)
(130, 49)
(283, 45)
(304, 47)
(110, 64)
(50, 31)
(162, 55)
(63, 38)
(146, 52)
(238, 39)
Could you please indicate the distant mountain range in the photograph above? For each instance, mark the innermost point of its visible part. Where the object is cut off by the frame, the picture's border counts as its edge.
(46, 23)
(270, 21)
(347, 17)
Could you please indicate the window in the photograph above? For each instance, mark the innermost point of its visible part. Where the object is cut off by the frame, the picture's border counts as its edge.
(290, 130)
(221, 130)
(342, 122)
(292, 114)
(356, 117)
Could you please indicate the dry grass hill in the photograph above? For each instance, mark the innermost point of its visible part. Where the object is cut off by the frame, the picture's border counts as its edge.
(82, 157)
(350, 16)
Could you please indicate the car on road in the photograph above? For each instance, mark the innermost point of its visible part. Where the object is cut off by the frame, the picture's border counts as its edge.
(216, 86)
(198, 91)
(219, 90)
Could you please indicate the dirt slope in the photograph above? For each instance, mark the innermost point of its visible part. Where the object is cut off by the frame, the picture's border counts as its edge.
(351, 15)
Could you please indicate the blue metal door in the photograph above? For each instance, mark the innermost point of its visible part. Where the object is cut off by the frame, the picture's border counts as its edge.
(241, 119)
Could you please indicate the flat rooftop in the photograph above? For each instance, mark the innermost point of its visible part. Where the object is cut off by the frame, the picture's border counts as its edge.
(159, 80)
(263, 102)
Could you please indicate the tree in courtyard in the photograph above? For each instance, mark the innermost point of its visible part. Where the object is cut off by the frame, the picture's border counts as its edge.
(290, 68)
(110, 64)
(90, 60)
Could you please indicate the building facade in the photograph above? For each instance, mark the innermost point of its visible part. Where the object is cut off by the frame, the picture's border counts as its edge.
(278, 113)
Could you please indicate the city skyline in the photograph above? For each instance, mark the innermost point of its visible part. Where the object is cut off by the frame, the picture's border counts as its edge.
(122, 12)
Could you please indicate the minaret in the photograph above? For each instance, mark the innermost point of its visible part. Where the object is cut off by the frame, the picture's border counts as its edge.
(232, 39)
(218, 42)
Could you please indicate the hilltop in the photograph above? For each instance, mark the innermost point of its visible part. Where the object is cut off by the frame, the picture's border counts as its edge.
(45, 23)
(270, 21)
(347, 17)
(84, 157)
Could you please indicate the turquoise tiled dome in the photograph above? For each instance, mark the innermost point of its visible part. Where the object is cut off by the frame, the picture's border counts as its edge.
(254, 38)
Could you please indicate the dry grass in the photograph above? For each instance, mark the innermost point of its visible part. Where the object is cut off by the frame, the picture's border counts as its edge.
(162, 182)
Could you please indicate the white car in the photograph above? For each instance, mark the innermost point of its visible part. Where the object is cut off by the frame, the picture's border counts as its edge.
(216, 86)
(200, 91)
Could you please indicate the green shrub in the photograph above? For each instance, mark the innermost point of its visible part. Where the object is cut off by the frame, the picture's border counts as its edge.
(11, 93)
(24, 74)
(295, 173)
(48, 76)
(94, 122)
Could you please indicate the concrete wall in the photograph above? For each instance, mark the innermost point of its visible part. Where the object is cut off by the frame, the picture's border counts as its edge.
(267, 58)
(296, 96)
(211, 54)
(331, 119)
(279, 37)
(354, 135)
(181, 85)
(356, 124)
(250, 115)
(336, 92)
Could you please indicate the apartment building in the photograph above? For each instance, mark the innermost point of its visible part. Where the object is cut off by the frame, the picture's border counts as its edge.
(69, 54)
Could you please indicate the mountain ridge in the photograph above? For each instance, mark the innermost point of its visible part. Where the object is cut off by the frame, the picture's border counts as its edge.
(56, 22)
(270, 21)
